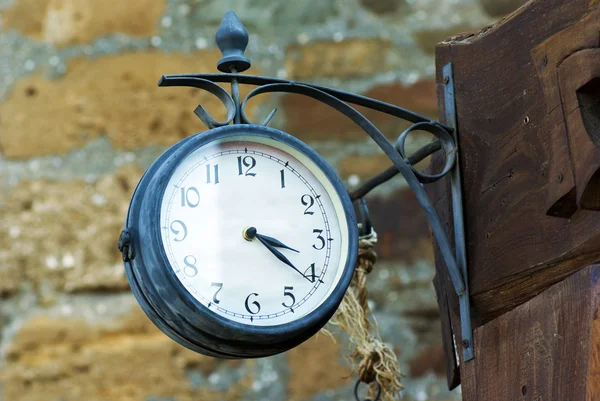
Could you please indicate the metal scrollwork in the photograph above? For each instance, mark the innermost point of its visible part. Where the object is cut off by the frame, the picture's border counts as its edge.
(445, 142)
(209, 86)
(232, 40)
(399, 161)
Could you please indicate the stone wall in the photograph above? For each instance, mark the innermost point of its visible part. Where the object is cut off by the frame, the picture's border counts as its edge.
(81, 118)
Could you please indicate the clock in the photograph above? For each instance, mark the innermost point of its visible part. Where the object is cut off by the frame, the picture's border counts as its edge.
(240, 242)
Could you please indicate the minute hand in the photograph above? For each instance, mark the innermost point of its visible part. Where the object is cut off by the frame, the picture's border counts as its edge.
(279, 255)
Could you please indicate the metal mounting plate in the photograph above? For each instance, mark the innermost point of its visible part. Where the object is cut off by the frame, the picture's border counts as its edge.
(457, 212)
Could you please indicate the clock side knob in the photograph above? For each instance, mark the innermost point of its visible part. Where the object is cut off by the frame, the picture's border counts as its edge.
(232, 39)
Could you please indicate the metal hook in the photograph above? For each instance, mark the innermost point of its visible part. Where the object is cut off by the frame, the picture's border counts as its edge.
(365, 225)
(366, 399)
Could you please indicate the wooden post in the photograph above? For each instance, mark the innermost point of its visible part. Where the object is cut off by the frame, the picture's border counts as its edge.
(546, 349)
(528, 113)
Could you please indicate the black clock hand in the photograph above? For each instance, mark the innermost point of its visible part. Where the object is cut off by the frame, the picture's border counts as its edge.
(274, 242)
(250, 233)
(270, 243)
(279, 255)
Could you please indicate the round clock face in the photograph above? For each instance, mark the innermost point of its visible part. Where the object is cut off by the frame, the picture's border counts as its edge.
(254, 230)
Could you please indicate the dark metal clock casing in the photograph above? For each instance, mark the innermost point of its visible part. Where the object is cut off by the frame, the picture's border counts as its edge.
(171, 306)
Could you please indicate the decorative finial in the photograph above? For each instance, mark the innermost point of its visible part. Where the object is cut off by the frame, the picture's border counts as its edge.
(232, 39)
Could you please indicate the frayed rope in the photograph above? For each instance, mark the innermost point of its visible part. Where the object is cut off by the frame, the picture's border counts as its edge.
(373, 360)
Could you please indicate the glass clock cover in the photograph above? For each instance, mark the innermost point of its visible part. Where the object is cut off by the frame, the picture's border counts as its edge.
(254, 230)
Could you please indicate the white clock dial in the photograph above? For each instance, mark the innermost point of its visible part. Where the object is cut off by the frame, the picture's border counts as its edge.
(222, 189)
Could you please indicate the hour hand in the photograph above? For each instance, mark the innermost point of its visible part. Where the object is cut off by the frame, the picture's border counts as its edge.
(274, 242)
(270, 243)
(250, 233)
(280, 255)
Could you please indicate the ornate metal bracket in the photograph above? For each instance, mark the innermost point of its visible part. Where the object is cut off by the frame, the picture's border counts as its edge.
(232, 39)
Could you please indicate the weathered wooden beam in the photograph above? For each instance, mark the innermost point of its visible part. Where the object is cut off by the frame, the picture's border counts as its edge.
(528, 113)
(528, 110)
(546, 349)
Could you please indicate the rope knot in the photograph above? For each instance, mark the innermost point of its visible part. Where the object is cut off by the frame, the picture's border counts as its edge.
(367, 259)
(366, 254)
(366, 367)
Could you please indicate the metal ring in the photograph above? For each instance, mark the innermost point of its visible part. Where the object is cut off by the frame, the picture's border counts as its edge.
(367, 399)
(447, 146)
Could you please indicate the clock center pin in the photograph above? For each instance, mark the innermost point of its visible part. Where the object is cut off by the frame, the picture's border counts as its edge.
(249, 233)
